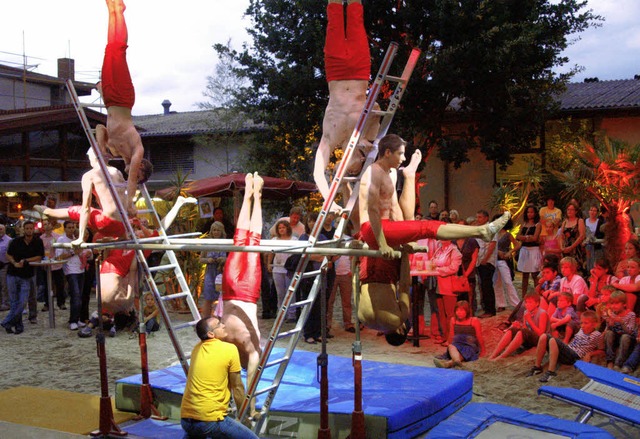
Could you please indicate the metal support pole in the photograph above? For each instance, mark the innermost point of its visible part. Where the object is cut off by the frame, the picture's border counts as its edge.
(357, 416)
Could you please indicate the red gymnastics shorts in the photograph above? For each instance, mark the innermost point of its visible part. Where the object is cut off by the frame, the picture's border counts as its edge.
(99, 222)
(117, 87)
(242, 274)
(346, 52)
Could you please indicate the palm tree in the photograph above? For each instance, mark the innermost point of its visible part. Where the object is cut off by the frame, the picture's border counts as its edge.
(609, 171)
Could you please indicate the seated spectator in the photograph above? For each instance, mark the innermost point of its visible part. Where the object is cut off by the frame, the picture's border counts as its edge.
(600, 277)
(630, 284)
(564, 321)
(549, 288)
(526, 332)
(620, 332)
(573, 283)
(586, 342)
(465, 338)
(151, 313)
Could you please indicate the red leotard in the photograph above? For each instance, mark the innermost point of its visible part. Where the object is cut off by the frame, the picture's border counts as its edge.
(346, 52)
(400, 232)
(242, 273)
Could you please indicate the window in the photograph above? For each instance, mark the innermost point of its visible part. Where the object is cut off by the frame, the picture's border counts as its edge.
(170, 157)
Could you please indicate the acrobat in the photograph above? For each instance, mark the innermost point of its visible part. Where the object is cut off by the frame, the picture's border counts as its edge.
(120, 138)
(383, 223)
(347, 67)
(119, 270)
(241, 280)
(106, 221)
(387, 222)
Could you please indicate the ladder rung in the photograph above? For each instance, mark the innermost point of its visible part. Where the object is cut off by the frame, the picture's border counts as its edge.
(381, 112)
(185, 325)
(288, 333)
(395, 78)
(309, 274)
(88, 104)
(300, 303)
(162, 267)
(276, 362)
(145, 211)
(175, 296)
(265, 390)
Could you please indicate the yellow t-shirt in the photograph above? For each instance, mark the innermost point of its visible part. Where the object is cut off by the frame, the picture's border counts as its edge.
(206, 395)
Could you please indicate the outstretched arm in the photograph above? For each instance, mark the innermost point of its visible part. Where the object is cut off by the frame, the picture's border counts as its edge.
(134, 174)
(87, 197)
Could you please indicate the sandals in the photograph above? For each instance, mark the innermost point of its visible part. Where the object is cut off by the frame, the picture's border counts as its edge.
(311, 340)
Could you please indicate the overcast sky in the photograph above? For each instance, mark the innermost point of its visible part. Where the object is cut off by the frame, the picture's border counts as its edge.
(170, 53)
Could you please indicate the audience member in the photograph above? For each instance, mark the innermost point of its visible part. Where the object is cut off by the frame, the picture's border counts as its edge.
(620, 332)
(214, 260)
(586, 342)
(4, 266)
(549, 287)
(275, 266)
(150, 314)
(630, 284)
(73, 272)
(454, 217)
(564, 321)
(465, 338)
(297, 228)
(48, 237)
(550, 242)
(525, 332)
(21, 251)
(503, 276)
(550, 213)
(446, 262)
(573, 234)
(486, 266)
(530, 258)
(573, 283)
(600, 277)
(594, 237)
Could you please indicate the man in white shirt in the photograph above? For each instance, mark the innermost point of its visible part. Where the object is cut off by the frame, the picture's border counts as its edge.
(297, 228)
(74, 273)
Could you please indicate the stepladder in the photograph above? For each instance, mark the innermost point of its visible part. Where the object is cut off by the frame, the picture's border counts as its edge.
(147, 272)
(303, 276)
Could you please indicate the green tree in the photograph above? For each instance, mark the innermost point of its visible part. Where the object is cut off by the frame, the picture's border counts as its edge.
(609, 171)
(493, 59)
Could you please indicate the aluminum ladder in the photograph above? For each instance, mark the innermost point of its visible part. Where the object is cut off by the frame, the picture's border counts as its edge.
(147, 272)
(293, 335)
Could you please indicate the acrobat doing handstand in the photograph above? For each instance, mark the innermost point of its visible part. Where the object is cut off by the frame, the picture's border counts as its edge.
(120, 137)
(242, 278)
(387, 222)
(347, 67)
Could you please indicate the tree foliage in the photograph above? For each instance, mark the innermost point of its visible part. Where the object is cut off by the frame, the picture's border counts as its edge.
(493, 59)
(609, 171)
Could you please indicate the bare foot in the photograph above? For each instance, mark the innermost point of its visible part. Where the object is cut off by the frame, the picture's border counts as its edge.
(412, 167)
(258, 183)
(248, 185)
(412, 247)
(489, 230)
(188, 200)
(41, 210)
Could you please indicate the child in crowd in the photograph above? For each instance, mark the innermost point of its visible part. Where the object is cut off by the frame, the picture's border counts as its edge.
(150, 314)
(600, 277)
(525, 332)
(550, 242)
(602, 309)
(564, 321)
(549, 288)
(621, 330)
(586, 342)
(634, 359)
(465, 338)
(574, 283)
(630, 284)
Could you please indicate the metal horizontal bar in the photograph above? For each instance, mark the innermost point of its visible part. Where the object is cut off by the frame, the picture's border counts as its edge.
(175, 296)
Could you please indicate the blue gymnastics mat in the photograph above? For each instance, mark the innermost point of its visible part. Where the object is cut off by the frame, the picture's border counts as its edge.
(399, 401)
(490, 421)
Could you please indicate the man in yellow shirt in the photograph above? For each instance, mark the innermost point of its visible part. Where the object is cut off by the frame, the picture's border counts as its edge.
(213, 374)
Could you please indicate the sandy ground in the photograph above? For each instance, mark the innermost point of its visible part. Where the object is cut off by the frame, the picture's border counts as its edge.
(59, 359)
